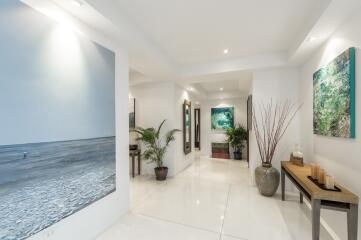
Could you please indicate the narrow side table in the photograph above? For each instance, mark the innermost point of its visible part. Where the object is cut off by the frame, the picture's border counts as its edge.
(133, 154)
(344, 200)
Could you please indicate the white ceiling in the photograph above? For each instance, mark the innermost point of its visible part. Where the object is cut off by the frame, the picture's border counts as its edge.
(226, 85)
(240, 82)
(197, 31)
(230, 88)
(183, 40)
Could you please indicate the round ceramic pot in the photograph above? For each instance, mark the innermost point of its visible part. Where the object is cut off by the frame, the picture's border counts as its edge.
(161, 173)
(237, 155)
(267, 179)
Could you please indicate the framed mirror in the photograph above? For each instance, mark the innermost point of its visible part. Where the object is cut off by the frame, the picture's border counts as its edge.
(197, 128)
(187, 131)
(131, 110)
(249, 122)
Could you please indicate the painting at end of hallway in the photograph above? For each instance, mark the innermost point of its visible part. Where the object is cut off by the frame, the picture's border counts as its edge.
(222, 118)
(334, 97)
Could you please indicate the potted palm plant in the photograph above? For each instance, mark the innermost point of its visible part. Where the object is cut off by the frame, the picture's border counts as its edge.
(156, 147)
(236, 137)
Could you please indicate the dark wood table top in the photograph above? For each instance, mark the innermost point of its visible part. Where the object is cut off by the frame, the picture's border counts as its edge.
(134, 151)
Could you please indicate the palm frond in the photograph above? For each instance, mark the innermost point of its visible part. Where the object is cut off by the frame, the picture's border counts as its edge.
(146, 135)
(156, 147)
(159, 128)
(170, 136)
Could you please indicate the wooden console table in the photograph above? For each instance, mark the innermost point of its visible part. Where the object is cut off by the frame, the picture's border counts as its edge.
(341, 201)
(133, 154)
(220, 150)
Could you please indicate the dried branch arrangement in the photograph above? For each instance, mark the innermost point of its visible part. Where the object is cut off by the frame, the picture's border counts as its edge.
(270, 124)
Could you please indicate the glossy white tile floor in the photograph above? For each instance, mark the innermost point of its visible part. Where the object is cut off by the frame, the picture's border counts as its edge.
(212, 199)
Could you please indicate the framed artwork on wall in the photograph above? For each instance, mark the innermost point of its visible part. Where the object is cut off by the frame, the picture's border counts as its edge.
(60, 157)
(222, 118)
(334, 97)
(131, 108)
(187, 131)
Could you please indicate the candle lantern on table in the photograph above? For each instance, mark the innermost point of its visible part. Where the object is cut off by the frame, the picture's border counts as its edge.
(329, 182)
(297, 156)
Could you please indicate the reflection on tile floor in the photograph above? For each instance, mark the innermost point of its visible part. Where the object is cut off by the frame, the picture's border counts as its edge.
(212, 199)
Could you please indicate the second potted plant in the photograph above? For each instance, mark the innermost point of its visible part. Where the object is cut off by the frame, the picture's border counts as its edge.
(156, 147)
(236, 137)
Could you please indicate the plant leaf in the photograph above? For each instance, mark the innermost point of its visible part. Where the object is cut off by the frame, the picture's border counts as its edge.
(159, 128)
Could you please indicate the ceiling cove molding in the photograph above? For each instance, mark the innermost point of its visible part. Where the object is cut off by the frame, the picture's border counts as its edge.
(331, 18)
(237, 64)
(150, 59)
(227, 95)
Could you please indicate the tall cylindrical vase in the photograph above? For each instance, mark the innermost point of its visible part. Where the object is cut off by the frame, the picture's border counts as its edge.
(267, 179)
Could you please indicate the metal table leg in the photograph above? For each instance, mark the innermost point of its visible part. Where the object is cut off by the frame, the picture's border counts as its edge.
(316, 214)
(139, 160)
(352, 222)
(283, 184)
(133, 163)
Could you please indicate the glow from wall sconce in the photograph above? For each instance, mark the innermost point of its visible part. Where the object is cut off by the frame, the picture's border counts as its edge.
(221, 89)
(63, 54)
(62, 49)
(225, 51)
(311, 39)
(61, 18)
(77, 3)
(333, 48)
(190, 89)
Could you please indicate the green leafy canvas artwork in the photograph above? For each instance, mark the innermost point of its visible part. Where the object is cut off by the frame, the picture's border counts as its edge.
(222, 118)
(334, 97)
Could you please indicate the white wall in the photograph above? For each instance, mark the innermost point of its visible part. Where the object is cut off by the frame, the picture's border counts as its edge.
(182, 160)
(207, 134)
(155, 102)
(277, 85)
(340, 157)
(75, 77)
(91, 221)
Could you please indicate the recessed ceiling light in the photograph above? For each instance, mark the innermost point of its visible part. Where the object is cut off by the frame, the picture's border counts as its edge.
(221, 89)
(225, 51)
(77, 3)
